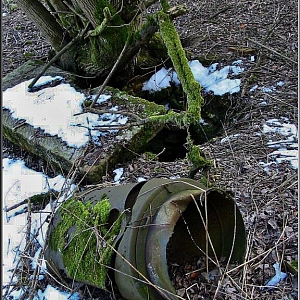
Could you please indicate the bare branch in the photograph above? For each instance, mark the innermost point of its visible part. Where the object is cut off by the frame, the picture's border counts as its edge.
(110, 73)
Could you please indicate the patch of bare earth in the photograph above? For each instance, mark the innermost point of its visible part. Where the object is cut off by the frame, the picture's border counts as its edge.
(268, 198)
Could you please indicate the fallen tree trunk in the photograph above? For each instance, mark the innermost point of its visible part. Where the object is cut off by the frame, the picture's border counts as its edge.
(91, 162)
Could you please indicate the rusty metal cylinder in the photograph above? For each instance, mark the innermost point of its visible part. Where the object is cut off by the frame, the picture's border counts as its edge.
(165, 219)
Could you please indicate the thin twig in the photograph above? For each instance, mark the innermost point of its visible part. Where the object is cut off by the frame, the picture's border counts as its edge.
(248, 78)
(27, 200)
(58, 55)
(282, 101)
(106, 111)
(117, 127)
(15, 205)
(272, 50)
(110, 74)
(220, 11)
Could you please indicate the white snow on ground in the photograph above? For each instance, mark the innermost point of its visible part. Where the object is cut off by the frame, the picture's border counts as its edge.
(266, 89)
(53, 293)
(253, 88)
(160, 80)
(209, 78)
(119, 172)
(284, 139)
(52, 109)
(278, 276)
(19, 183)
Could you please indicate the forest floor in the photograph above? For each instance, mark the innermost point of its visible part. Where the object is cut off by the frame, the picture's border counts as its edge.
(264, 35)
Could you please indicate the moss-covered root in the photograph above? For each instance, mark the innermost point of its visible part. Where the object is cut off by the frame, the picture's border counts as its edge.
(177, 54)
(195, 156)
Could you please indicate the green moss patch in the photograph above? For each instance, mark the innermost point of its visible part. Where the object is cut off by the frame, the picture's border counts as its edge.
(196, 157)
(177, 54)
(85, 239)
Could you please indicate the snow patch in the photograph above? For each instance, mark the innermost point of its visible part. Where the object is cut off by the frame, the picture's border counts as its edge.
(58, 111)
(286, 149)
(209, 78)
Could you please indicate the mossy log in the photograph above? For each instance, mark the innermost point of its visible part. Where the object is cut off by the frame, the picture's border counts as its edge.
(95, 161)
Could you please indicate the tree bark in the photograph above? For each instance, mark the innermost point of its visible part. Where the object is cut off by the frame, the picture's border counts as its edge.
(111, 24)
(46, 23)
(89, 8)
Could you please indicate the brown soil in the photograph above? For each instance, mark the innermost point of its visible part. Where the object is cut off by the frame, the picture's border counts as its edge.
(268, 200)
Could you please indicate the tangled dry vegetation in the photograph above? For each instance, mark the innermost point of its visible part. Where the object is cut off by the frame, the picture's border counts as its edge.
(268, 200)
